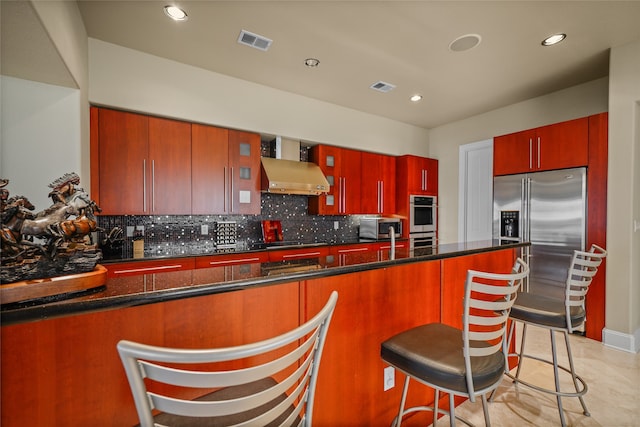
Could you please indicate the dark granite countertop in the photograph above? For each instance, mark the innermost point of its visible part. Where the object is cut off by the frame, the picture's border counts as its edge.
(142, 289)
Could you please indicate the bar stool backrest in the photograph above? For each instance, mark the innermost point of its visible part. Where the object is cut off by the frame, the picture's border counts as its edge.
(292, 358)
(584, 266)
(487, 304)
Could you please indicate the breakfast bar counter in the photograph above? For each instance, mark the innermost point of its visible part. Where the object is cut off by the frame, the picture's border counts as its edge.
(138, 287)
(59, 361)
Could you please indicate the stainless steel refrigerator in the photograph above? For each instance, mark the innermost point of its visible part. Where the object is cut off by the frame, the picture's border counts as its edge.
(549, 210)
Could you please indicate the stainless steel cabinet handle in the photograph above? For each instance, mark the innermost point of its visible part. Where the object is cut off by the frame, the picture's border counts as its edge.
(345, 251)
(153, 185)
(530, 153)
(225, 187)
(144, 185)
(307, 254)
(235, 261)
(147, 269)
(232, 195)
(538, 152)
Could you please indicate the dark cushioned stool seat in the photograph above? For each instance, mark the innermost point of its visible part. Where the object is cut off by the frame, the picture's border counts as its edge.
(433, 352)
(546, 311)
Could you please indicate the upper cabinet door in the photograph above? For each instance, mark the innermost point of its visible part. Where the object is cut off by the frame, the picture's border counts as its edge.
(563, 145)
(226, 167)
(513, 153)
(244, 170)
(328, 159)
(416, 175)
(342, 168)
(170, 158)
(378, 194)
(124, 171)
(558, 146)
(209, 169)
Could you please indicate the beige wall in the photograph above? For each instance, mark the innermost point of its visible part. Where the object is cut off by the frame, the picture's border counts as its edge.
(129, 79)
(623, 263)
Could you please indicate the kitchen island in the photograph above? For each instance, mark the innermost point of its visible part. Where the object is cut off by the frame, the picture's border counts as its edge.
(60, 365)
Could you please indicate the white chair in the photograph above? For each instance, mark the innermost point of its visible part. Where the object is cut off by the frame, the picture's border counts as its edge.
(250, 395)
(468, 362)
(559, 315)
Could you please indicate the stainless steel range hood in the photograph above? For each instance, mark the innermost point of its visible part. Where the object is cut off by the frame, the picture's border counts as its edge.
(290, 175)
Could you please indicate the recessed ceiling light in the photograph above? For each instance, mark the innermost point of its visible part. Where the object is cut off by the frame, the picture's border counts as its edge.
(466, 42)
(175, 13)
(415, 98)
(311, 62)
(554, 39)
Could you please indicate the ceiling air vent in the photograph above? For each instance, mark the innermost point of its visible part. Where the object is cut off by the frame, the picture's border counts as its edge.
(254, 40)
(382, 86)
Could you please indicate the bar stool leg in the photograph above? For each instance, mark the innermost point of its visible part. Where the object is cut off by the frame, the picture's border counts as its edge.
(574, 376)
(520, 356)
(452, 408)
(557, 377)
(398, 419)
(435, 407)
(485, 409)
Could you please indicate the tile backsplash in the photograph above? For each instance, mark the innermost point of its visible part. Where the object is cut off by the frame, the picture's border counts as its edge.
(175, 235)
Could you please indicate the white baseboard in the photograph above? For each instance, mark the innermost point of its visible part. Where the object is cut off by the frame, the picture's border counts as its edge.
(621, 341)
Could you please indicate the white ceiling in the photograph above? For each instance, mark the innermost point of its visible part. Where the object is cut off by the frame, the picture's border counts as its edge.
(404, 43)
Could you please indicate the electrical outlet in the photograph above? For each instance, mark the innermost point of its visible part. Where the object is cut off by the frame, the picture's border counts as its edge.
(130, 229)
(389, 378)
(336, 225)
(204, 229)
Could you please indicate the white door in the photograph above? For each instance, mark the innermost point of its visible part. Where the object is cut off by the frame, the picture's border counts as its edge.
(476, 191)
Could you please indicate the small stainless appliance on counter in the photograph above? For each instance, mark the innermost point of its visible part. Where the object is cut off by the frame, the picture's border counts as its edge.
(377, 228)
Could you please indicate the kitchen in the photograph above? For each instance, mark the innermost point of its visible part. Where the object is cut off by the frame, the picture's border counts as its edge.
(194, 97)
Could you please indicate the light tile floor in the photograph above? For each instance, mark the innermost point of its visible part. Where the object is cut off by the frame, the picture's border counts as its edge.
(612, 376)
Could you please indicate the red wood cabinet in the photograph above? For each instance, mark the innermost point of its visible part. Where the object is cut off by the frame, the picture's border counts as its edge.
(454, 274)
(276, 255)
(416, 175)
(144, 164)
(557, 146)
(225, 171)
(54, 370)
(123, 144)
(378, 180)
(597, 220)
(170, 155)
(244, 165)
(133, 268)
(342, 168)
(372, 306)
(235, 267)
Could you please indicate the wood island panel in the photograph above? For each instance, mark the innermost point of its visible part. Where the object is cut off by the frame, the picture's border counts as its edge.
(372, 306)
(67, 371)
(454, 275)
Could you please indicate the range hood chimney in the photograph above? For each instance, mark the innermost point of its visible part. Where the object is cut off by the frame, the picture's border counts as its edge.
(286, 174)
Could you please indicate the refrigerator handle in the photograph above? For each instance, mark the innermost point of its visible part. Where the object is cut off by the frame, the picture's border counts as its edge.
(523, 209)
